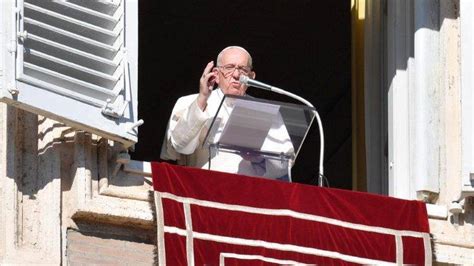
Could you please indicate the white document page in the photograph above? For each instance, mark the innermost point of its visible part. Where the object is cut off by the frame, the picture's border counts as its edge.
(249, 124)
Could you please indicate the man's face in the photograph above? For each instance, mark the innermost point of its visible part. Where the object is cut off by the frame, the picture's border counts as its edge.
(234, 62)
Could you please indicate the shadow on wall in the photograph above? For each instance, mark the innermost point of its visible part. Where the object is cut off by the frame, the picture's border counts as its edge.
(40, 152)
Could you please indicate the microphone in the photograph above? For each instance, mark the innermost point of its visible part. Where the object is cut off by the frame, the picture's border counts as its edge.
(253, 83)
(257, 84)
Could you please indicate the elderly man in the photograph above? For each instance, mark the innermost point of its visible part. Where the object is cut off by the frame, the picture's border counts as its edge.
(192, 115)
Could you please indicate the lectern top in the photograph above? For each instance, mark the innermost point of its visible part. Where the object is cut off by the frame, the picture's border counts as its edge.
(252, 125)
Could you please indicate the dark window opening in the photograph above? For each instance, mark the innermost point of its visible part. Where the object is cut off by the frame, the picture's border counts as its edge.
(302, 46)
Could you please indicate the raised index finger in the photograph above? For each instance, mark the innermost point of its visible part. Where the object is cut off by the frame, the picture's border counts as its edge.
(208, 68)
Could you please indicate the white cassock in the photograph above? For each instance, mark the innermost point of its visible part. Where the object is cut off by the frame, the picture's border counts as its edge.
(187, 129)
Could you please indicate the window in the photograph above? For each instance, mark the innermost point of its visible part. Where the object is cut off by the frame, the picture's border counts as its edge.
(301, 46)
(76, 62)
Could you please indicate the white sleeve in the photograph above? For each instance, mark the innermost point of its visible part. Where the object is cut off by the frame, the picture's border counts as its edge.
(184, 128)
(278, 138)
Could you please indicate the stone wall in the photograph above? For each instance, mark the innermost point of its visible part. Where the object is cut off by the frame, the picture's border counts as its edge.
(453, 236)
(56, 183)
(105, 244)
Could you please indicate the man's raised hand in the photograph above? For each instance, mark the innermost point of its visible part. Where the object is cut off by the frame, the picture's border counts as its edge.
(206, 84)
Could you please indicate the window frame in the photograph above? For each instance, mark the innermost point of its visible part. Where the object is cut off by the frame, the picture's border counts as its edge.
(73, 111)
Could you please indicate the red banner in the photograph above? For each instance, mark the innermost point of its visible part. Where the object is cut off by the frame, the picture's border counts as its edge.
(213, 218)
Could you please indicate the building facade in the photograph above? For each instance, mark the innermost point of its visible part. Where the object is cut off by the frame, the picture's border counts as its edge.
(69, 192)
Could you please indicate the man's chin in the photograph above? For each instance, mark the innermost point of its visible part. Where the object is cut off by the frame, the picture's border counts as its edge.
(235, 91)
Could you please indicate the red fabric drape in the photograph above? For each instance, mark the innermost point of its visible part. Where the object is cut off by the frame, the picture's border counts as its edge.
(212, 217)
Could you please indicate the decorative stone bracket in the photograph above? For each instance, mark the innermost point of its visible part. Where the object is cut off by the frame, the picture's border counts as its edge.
(109, 194)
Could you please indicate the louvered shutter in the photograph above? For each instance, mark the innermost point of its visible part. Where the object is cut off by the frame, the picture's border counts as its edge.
(76, 61)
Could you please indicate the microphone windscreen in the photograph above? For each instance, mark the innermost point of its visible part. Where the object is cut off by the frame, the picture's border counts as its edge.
(244, 79)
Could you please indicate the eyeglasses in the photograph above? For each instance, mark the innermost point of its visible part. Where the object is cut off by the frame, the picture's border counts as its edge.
(230, 68)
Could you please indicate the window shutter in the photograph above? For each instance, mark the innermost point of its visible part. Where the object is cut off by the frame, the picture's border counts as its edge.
(76, 62)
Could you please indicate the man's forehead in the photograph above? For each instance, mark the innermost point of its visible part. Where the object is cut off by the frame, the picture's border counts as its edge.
(234, 54)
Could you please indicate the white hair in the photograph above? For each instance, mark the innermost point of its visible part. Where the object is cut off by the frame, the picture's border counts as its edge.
(219, 56)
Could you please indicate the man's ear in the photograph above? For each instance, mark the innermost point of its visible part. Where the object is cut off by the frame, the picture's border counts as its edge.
(252, 75)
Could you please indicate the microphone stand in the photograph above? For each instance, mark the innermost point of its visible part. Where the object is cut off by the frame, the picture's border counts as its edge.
(250, 82)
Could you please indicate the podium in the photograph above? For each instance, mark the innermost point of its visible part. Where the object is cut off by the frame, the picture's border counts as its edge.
(265, 135)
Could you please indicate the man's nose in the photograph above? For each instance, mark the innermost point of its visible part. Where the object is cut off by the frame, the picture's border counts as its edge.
(236, 73)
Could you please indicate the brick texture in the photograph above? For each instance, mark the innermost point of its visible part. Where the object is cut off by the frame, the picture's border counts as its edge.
(86, 248)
